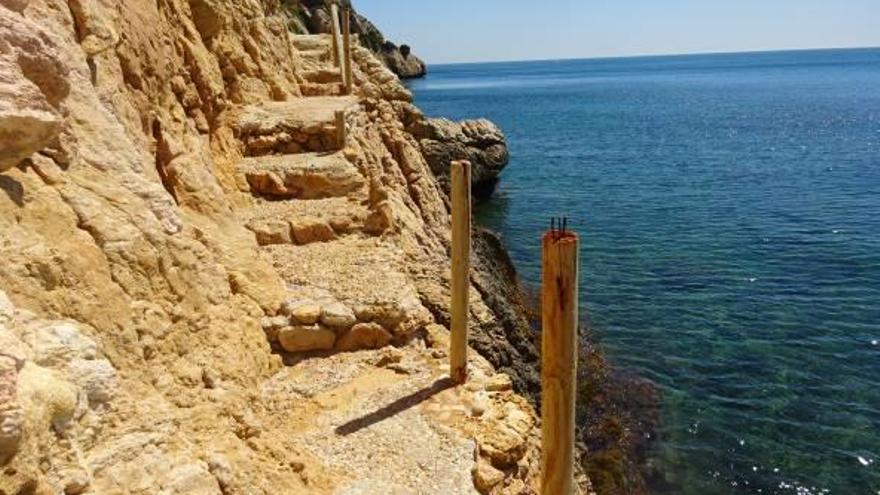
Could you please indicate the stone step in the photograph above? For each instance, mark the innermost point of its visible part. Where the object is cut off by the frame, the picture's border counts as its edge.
(301, 176)
(305, 222)
(306, 42)
(346, 294)
(295, 126)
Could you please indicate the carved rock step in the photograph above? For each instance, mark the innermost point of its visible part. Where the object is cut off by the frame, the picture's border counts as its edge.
(304, 222)
(300, 125)
(363, 277)
(307, 42)
(301, 176)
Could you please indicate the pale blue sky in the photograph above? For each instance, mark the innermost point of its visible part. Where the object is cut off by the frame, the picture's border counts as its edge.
(483, 30)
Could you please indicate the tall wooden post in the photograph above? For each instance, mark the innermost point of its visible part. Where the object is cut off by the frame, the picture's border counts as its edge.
(461, 254)
(346, 43)
(341, 132)
(334, 28)
(559, 360)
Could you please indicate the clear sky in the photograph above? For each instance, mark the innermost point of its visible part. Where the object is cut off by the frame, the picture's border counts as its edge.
(490, 30)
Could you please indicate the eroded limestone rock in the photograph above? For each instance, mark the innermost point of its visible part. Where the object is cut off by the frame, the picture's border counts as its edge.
(337, 315)
(363, 336)
(33, 83)
(306, 338)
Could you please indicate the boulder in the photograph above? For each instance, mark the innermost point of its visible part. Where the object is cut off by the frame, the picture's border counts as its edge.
(363, 336)
(306, 338)
(486, 477)
(479, 141)
(303, 312)
(269, 232)
(338, 315)
(309, 230)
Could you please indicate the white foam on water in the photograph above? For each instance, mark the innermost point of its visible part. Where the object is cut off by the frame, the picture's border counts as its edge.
(865, 462)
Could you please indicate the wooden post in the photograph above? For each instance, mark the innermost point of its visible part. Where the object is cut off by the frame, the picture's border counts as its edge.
(341, 132)
(334, 28)
(559, 360)
(461, 254)
(346, 43)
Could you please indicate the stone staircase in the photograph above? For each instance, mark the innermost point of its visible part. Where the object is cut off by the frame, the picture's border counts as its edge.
(321, 223)
(320, 78)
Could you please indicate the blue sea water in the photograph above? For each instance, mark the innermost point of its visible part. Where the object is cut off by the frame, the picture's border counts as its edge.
(729, 207)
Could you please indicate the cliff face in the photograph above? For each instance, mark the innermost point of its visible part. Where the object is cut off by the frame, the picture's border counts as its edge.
(189, 252)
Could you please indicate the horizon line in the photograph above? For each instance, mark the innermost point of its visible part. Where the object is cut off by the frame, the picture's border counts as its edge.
(658, 55)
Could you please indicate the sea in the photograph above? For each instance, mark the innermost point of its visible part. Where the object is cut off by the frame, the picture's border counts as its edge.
(729, 211)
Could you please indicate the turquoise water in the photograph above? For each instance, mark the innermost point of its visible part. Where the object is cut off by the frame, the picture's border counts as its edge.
(730, 211)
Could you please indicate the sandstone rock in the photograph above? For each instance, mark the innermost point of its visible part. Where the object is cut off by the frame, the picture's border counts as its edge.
(337, 315)
(363, 336)
(304, 312)
(15, 5)
(309, 230)
(504, 444)
(194, 478)
(76, 482)
(270, 232)
(47, 400)
(500, 382)
(96, 377)
(10, 412)
(272, 325)
(486, 477)
(57, 343)
(479, 141)
(11, 346)
(301, 176)
(302, 339)
(274, 322)
(32, 83)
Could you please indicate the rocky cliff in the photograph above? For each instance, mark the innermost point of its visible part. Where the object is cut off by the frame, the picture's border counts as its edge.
(208, 286)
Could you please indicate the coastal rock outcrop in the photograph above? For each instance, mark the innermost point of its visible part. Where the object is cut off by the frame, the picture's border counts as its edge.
(480, 141)
(402, 62)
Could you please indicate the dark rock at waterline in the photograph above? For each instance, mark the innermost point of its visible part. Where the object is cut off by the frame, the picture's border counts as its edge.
(479, 141)
(508, 341)
(618, 412)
